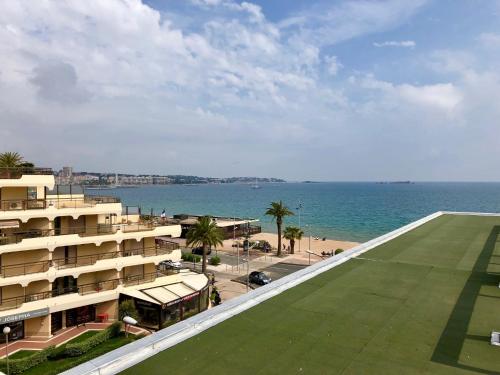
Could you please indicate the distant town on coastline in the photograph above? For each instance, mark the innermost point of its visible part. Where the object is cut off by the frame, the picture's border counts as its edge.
(67, 176)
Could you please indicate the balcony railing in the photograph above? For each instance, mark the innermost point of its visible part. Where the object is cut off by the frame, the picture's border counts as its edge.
(84, 289)
(17, 172)
(22, 269)
(100, 229)
(87, 260)
(40, 204)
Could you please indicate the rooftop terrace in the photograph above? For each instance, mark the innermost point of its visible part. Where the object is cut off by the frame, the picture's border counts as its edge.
(424, 302)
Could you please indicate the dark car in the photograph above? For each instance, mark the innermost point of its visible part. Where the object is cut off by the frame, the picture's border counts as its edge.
(199, 251)
(259, 278)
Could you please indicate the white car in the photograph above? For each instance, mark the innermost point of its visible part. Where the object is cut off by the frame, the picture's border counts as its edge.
(170, 264)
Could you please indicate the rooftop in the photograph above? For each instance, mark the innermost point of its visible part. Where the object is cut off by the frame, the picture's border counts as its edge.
(422, 303)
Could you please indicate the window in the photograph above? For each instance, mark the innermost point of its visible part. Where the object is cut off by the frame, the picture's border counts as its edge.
(32, 192)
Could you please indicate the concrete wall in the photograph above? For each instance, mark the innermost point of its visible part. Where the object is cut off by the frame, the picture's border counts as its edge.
(149, 268)
(91, 249)
(38, 287)
(94, 277)
(36, 223)
(12, 291)
(133, 270)
(12, 193)
(110, 308)
(32, 256)
(37, 327)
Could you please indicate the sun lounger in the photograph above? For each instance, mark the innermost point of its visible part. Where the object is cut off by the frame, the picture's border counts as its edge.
(495, 338)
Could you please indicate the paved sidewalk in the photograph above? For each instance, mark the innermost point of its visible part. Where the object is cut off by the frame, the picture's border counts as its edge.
(60, 338)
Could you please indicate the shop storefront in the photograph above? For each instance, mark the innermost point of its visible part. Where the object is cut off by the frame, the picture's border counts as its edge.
(157, 313)
(17, 323)
(80, 315)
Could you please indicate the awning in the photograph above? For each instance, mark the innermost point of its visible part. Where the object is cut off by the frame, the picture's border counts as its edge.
(9, 224)
(162, 294)
(139, 295)
(180, 289)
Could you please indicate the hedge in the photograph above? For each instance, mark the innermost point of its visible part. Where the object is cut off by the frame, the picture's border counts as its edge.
(191, 257)
(77, 349)
(18, 366)
(215, 260)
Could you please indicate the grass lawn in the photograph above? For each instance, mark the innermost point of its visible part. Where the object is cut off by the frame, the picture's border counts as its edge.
(52, 367)
(423, 303)
(21, 354)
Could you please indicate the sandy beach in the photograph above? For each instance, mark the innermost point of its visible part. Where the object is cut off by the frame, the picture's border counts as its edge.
(316, 246)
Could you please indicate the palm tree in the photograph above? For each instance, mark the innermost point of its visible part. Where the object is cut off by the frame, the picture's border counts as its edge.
(204, 233)
(292, 234)
(278, 211)
(9, 161)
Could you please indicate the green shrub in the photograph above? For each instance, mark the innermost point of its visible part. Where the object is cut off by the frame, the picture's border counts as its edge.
(77, 349)
(338, 251)
(187, 257)
(127, 308)
(215, 260)
(18, 366)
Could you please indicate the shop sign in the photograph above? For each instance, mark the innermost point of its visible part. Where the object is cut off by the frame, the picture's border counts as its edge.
(191, 296)
(172, 303)
(24, 315)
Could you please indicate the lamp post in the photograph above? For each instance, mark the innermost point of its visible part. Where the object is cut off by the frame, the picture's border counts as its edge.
(299, 208)
(128, 320)
(6, 331)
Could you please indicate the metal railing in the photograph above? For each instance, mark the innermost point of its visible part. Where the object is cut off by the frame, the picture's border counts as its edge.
(15, 302)
(84, 289)
(40, 204)
(100, 229)
(17, 172)
(22, 269)
(99, 286)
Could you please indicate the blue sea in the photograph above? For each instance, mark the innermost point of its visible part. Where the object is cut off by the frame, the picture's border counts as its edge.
(344, 210)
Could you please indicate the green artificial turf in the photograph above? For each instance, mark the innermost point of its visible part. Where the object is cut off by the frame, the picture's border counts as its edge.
(423, 303)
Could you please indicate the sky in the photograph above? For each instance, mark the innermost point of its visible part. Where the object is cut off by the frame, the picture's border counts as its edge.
(321, 90)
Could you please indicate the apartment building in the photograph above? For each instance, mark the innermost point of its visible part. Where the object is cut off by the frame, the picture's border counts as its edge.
(67, 258)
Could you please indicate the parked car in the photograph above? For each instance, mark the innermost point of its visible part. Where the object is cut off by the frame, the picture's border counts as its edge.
(199, 251)
(259, 278)
(166, 264)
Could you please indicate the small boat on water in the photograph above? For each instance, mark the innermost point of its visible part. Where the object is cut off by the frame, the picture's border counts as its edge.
(256, 185)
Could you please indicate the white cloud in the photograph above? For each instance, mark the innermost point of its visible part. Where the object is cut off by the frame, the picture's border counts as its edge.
(442, 96)
(393, 43)
(331, 24)
(490, 40)
(333, 65)
(228, 79)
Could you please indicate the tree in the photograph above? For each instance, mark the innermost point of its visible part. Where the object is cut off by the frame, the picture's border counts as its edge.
(127, 308)
(278, 211)
(10, 161)
(206, 234)
(292, 234)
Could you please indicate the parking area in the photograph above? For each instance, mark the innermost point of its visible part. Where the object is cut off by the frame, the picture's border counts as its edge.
(275, 271)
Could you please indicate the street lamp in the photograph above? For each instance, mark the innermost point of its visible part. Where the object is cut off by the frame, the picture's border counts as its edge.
(248, 263)
(128, 320)
(299, 208)
(6, 331)
(310, 252)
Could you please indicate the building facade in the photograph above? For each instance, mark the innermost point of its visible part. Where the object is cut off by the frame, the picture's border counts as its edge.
(67, 258)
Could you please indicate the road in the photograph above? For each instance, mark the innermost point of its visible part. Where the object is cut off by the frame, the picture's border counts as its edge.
(275, 271)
